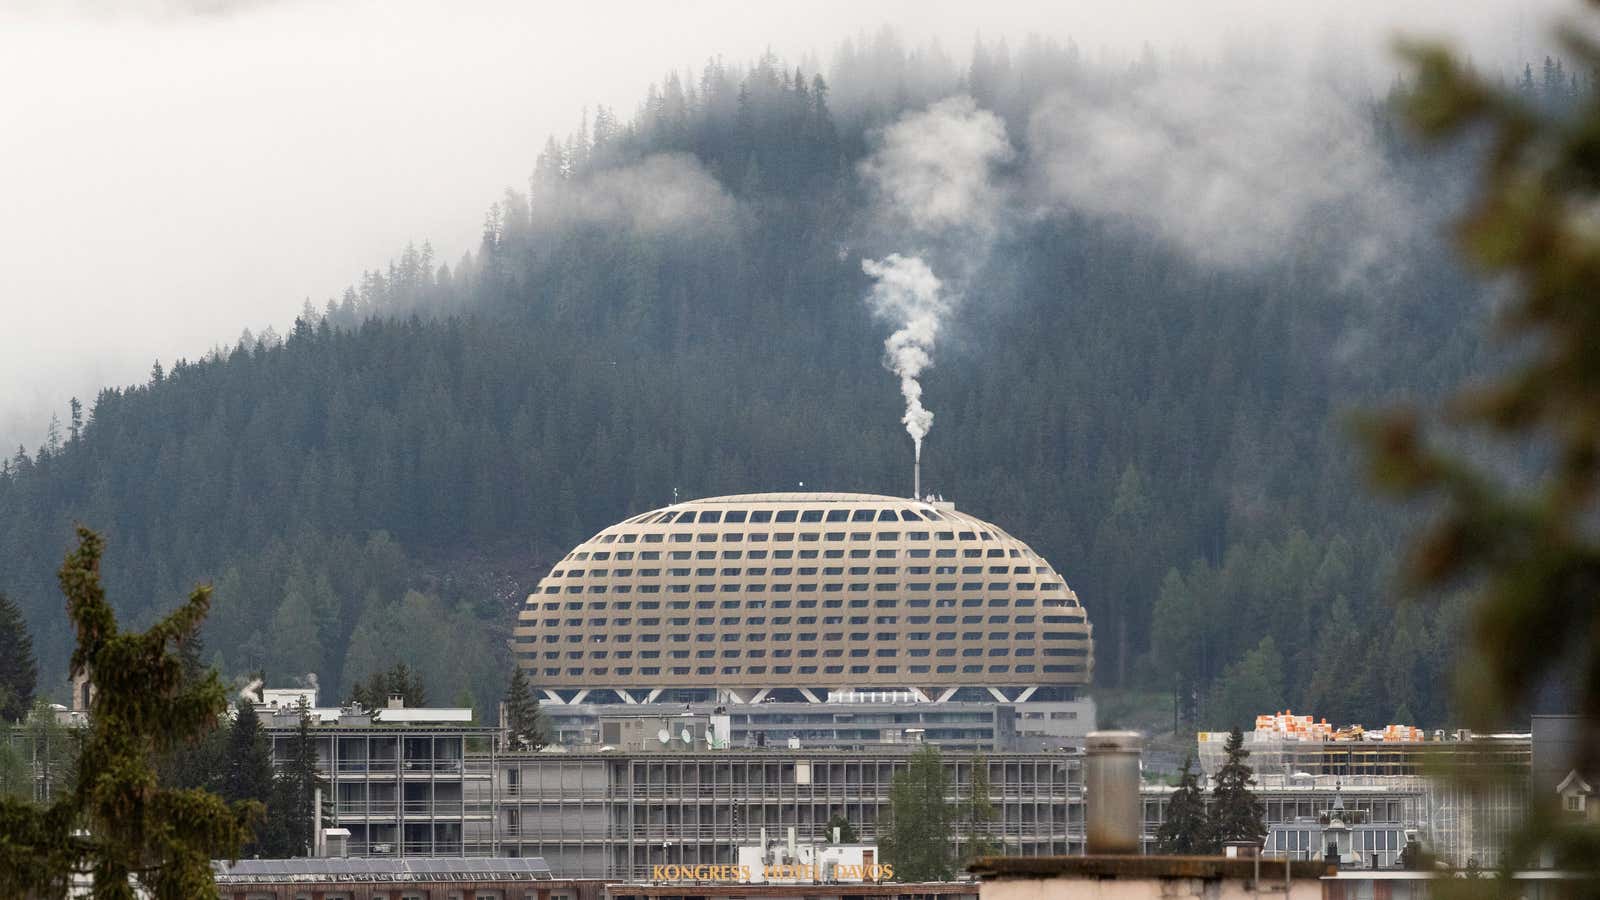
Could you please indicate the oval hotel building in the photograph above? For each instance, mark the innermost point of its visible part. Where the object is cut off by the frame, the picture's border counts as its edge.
(799, 596)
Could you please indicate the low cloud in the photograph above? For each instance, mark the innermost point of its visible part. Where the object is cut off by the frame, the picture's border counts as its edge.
(659, 193)
(1234, 167)
(934, 170)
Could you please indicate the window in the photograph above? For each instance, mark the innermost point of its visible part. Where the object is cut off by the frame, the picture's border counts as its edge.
(761, 515)
(810, 515)
(838, 515)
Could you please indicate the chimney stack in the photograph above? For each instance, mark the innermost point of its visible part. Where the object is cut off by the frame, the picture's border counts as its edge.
(916, 478)
(1111, 792)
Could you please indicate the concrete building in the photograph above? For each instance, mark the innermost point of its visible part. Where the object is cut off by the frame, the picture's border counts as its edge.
(403, 782)
(797, 596)
(398, 879)
(1399, 777)
(617, 815)
(843, 722)
(1388, 808)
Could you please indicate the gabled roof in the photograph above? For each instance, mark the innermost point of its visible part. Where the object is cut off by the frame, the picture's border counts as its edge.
(1574, 784)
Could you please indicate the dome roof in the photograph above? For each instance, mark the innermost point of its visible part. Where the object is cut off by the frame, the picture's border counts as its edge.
(827, 590)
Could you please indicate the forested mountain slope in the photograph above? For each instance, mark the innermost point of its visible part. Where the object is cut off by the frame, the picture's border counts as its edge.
(675, 307)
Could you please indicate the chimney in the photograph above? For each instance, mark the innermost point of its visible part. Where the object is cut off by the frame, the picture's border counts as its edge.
(397, 701)
(916, 477)
(1111, 792)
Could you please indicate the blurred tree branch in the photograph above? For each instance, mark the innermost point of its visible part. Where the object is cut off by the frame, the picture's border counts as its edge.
(1529, 551)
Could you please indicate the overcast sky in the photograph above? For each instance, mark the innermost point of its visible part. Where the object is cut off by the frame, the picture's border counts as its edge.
(173, 172)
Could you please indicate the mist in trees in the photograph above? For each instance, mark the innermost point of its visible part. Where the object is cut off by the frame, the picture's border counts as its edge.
(673, 303)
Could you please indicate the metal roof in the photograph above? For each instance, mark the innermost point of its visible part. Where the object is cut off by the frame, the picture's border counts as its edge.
(257, 871)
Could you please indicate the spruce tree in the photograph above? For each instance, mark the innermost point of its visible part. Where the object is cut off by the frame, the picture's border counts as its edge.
(247, 758)
(116, 823)
(1236, 814)
(1186, 831)
(399, 681)
(19, 674)
(294, 791)
(525, 723)
(918, 843)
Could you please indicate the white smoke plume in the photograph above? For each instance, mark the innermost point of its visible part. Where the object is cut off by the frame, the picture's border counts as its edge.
(908, 292)
(934, 182)
(251, 693)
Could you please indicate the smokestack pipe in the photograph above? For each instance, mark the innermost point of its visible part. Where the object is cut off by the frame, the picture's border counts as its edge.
(916, 478)
(1111, 792)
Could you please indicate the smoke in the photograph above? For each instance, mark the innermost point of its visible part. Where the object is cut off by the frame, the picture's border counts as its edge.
(933, 170)
(1235, 167)
(934, 183)
(908, 292)
(251, 692)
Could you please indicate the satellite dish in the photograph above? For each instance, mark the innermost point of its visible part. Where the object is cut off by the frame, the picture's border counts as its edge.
(664, 736)
(687, 737)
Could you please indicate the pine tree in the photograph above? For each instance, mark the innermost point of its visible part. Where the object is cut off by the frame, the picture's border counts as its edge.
(294, 793)
(1186, 831)
(525, 722)
(115, 822)
(919, 843)
(399, 681)
(1249, 687)
(19, 673)
(1236, 814)
(247, 758)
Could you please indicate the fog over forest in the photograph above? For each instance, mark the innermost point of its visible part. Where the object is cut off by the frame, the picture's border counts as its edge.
(176, 172)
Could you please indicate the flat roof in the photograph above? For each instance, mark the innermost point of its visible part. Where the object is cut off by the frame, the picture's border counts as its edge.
(1108, 866)
(317, 869)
